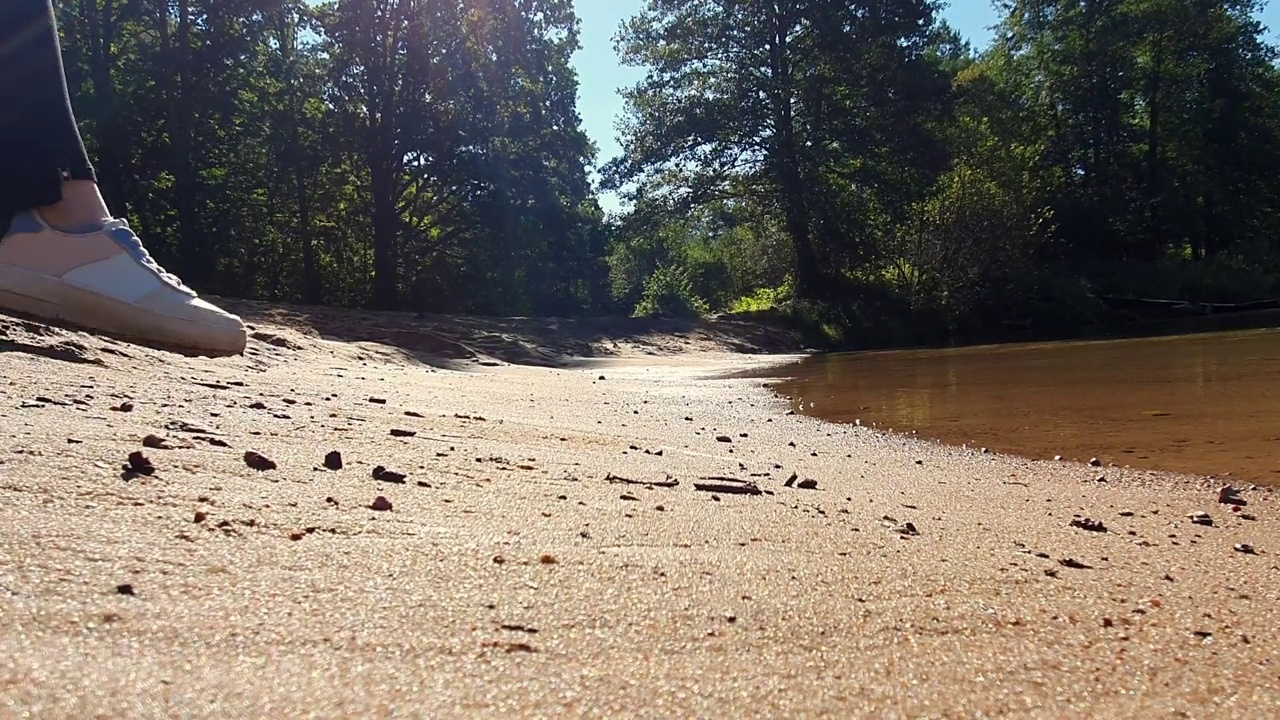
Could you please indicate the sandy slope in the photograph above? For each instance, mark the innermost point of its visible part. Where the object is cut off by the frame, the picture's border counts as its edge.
(511, 579)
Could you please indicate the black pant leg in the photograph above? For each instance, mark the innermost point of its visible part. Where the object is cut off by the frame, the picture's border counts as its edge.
(40, 143)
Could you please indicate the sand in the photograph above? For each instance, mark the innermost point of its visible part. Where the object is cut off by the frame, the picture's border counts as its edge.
(513, 578)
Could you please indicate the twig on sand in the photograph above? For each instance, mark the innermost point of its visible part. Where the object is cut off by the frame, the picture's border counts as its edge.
(448, 439)
(728, 485)
(668, 483)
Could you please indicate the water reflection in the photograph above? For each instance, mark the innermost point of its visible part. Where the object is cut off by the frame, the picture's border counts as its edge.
(1205, 404)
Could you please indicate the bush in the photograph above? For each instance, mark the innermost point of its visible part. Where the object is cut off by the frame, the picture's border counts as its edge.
(1041, 297)
(1222, 279)
(763, 299)
(669, 293)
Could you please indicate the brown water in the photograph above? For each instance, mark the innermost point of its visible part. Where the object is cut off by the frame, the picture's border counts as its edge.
(1205, 404)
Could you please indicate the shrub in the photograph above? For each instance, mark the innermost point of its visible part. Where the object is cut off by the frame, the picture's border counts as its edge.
(668, 292)
(763, 299)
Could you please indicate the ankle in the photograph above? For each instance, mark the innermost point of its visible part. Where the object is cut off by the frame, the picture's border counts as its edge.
(81, 208)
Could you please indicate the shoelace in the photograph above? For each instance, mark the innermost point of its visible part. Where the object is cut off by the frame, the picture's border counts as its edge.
(119, 231)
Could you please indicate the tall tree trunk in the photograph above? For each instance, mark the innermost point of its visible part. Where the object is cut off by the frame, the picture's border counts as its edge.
(109, 163)
(386, 231)
(786, 160)
(196, 255)
(1154, 179)
(287, 28)
(385, 164)
(795, 211)
(312, 284)
(1213, 225)
(1219, 170)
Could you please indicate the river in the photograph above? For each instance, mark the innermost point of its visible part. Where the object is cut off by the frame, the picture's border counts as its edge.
(1205, 404)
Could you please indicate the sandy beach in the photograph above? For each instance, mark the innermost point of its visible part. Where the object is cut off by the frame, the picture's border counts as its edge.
(578, 519)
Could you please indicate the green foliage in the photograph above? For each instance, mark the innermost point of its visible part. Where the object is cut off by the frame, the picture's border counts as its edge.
(723, 249)
(1221, 279)
(669, 293)
(810, 111)
(850, 163)
(763, 298)
(362, 152)
(1097, 148)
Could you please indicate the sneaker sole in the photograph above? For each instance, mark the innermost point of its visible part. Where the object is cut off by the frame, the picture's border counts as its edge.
(50, 298)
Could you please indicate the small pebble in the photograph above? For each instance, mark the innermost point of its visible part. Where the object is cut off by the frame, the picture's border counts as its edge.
(140, 464)
(1089, 524)
(258, 461)
(155, 442)
(1228, 495)
(389, 476)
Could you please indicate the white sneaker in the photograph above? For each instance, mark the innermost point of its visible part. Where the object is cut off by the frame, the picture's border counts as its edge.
(106, 280)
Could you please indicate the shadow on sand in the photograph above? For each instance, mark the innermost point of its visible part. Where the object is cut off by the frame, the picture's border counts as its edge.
(461, 341)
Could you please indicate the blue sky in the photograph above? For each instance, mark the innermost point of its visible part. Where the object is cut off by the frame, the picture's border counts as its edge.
(600, 76)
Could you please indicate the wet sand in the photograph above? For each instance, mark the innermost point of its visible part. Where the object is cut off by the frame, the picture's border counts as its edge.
(526, 569)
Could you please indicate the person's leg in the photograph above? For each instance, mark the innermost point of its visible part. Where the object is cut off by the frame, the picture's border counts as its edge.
(44, 160)
(64, 257)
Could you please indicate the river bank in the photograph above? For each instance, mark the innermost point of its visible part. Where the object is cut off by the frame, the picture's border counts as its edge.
(547, 551)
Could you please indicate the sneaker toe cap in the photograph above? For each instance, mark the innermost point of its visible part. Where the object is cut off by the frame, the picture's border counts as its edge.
(202, 323)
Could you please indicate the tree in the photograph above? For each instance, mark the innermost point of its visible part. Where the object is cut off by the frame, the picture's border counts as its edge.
(1157, 115)
(383, 77)
(797, 105)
